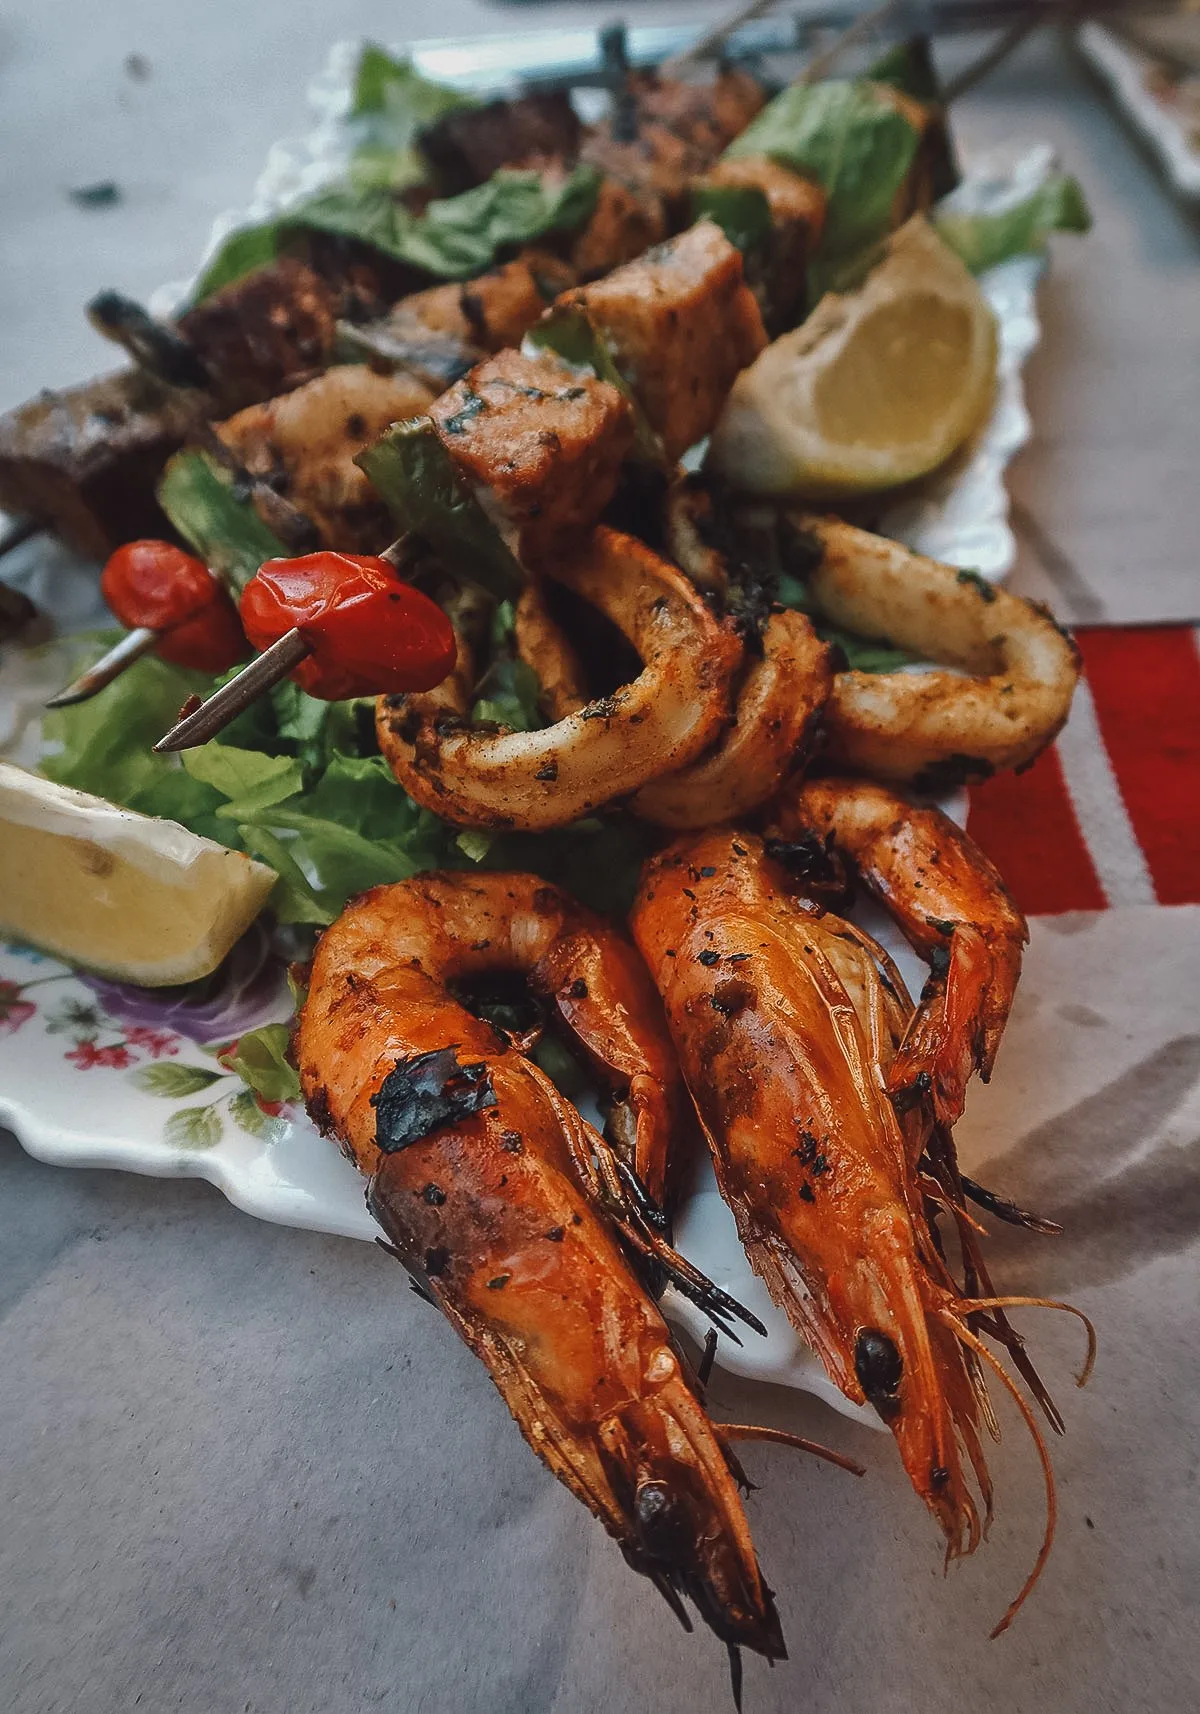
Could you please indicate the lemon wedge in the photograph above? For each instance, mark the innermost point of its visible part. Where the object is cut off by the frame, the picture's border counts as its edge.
(127, 895)
(879, 385)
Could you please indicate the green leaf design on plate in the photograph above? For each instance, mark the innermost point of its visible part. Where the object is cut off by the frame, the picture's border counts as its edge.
(174, 1081)
(193, 1128)
(246, 1113)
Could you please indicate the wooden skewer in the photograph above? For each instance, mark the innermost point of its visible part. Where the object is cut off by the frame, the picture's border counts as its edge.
(714, 40)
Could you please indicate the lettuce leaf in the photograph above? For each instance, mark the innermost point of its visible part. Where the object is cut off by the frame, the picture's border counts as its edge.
(984, 240)
(260, 1058)
(412, 471)
(909, 68)
(509, 692)
(852, 141)
(741, 211)
(454, 239)
(215, 519)
(390, 105)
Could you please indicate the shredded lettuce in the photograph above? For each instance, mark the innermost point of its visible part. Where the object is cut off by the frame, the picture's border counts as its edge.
(984, 240)
(300, 785)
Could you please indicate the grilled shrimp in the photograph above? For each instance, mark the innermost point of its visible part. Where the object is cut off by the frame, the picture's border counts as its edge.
(787, 1020)
(937, 729)
(508, 1206)
(663, 719)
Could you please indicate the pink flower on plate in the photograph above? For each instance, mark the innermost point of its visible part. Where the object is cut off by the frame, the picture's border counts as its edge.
(157, 1043)
(14, 1011)
(87, 1054)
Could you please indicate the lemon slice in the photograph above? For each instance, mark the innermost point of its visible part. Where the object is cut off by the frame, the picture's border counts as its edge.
(127, 895)
(878, 386)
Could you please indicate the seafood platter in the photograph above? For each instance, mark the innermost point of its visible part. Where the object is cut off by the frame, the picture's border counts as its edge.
(502, 794)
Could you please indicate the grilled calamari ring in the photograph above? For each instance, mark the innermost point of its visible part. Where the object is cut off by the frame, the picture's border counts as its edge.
(775, 719)
(937, 729)
(542, 645)
(663, 719)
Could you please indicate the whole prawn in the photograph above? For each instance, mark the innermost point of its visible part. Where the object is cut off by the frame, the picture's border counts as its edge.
(789, 1022)
(508, 1207)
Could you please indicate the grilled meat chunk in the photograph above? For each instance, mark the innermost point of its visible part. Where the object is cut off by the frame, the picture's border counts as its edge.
(264, 333)
(84, 461)
(467, 146)
(776, 270)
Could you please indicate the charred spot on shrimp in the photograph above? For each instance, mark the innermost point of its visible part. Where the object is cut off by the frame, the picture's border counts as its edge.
(813, 859)
(911, 1094)
(424, 1092)
(880, 1369)
(732, 996)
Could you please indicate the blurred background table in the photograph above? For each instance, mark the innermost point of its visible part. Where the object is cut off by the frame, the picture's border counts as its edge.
(245, 1472)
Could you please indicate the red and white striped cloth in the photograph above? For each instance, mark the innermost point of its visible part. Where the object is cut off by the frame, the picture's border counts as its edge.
(1110, 815)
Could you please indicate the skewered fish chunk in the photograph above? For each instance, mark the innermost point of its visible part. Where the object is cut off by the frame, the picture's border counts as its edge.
(681, 322)
(303, 443)
(468, 145)
(441, 333)
(541, 447)
(776, 269)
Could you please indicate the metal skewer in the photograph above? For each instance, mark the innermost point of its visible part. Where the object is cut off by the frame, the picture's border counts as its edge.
(131, 648)
(263, 674)
(224, 705)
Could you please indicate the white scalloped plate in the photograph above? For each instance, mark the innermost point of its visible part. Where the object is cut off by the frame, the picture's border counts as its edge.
(90, 1077)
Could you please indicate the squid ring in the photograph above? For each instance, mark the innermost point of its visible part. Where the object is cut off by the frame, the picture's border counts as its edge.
(777, 712)
(659, 722)
(937, 729)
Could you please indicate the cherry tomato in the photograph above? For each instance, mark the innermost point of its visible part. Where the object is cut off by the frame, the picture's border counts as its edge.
(157, 585)
(370, 632)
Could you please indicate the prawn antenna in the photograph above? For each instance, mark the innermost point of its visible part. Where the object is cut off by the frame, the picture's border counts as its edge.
(785, 1437)
(971, 1304)
(735, 1674)
(975, 1344)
